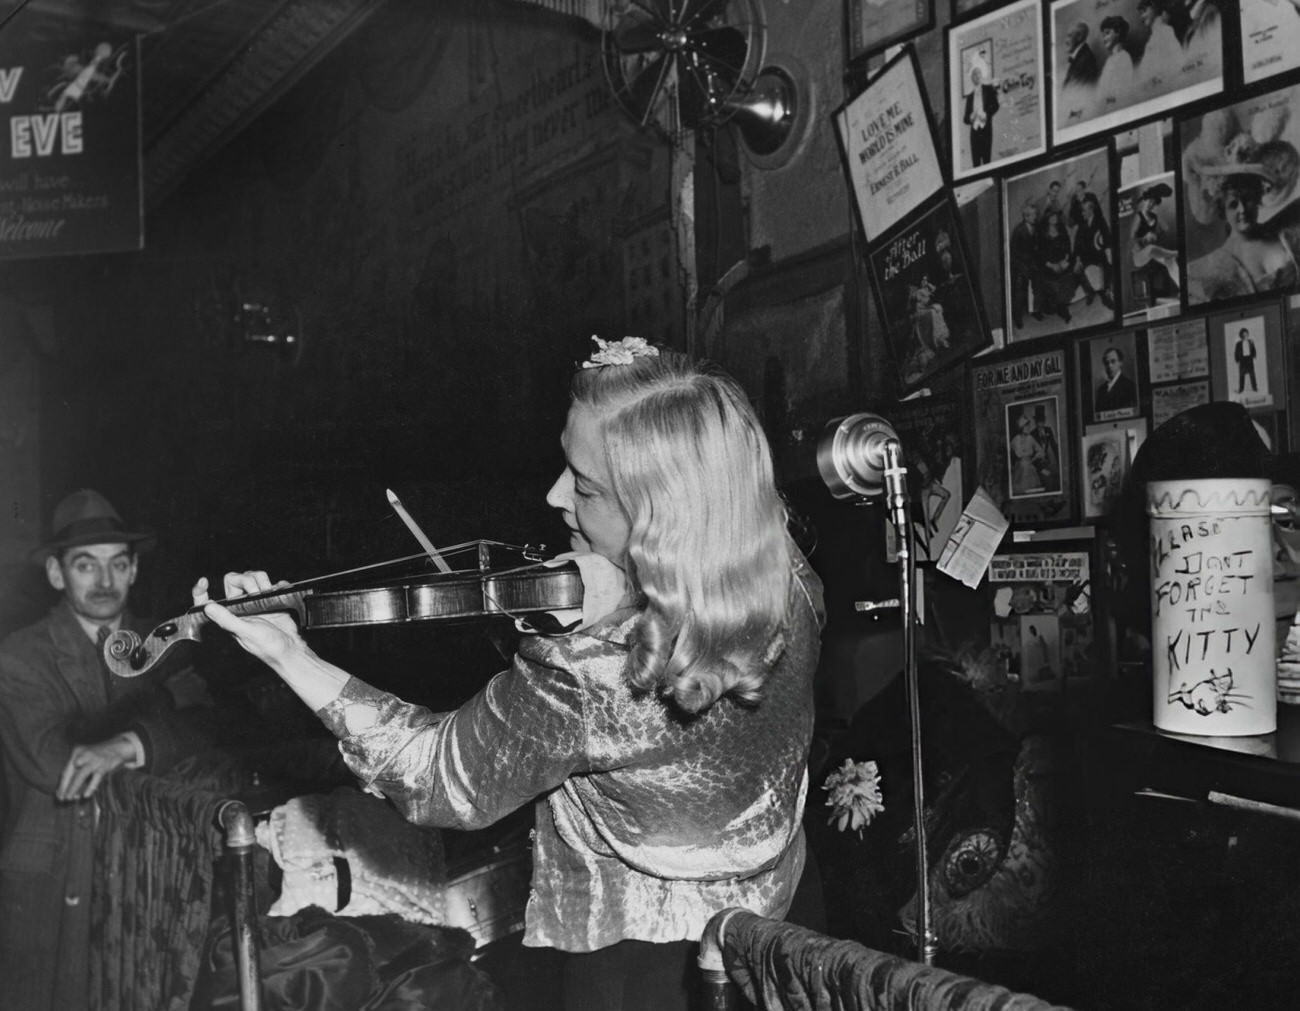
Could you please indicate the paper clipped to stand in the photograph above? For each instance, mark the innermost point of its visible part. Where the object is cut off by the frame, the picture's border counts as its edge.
(974, 540)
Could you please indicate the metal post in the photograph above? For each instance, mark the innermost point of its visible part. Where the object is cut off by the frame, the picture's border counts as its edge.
(237, 824)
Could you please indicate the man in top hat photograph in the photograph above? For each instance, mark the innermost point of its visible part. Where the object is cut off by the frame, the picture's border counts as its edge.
(65, 723)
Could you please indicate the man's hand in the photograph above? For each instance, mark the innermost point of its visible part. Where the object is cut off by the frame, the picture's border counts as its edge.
(90, 763)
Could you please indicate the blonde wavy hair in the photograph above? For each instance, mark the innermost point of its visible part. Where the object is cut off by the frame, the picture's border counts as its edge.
(708, 549)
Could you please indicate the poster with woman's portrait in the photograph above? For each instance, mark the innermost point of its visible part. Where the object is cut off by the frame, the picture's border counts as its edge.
(1241, 223)
(1118, 61)
(927, 296)
(1270, 38)
(1059, 247)
(1034, 447)
(995, 82)
(1150, 260)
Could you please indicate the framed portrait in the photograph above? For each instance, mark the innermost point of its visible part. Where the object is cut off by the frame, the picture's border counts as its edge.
(1245, 356)
(1241, 222)
(1149, 261)
(1118, 61)
(1058, 246)
(1110, 377)
(996, 111)
(926, 295)
(875, 25)
(888, 147)
(1270, 38)
(1020, 420)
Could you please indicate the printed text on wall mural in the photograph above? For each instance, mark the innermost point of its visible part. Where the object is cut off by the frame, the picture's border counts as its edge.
(446, 161)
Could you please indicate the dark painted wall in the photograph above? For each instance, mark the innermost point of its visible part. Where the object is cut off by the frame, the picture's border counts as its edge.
(442, 213)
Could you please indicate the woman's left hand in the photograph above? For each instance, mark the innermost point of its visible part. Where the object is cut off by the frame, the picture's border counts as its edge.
(271, 637)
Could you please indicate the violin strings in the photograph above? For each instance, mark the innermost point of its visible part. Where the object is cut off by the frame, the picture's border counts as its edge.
(451, 551)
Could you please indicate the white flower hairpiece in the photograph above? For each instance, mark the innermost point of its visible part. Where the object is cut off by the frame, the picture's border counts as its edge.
(620, 352)
(854, 790)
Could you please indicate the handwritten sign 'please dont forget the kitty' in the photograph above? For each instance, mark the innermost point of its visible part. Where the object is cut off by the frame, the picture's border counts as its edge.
(1212, 632)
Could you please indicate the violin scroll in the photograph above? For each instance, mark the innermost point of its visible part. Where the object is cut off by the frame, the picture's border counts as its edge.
(119, 648)
(129, 656)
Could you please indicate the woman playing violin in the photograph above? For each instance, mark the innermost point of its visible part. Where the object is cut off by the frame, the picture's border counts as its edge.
(665, 740)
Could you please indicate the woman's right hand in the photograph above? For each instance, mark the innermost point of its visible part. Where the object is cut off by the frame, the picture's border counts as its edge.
(271, 637)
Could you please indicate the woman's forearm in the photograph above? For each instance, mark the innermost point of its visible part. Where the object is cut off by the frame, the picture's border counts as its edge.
(317, 682)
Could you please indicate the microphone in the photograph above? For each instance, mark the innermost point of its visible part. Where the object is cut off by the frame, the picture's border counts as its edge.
(851, 455)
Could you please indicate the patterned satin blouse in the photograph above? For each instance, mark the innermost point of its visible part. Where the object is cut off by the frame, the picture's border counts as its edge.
(648, 820)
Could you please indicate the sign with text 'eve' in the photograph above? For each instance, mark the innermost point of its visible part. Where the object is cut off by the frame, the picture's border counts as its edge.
(69, 139)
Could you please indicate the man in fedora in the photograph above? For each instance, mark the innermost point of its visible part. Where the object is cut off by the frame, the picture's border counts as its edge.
(65, 723)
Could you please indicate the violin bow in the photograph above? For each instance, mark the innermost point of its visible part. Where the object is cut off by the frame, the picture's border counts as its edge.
(417, 533)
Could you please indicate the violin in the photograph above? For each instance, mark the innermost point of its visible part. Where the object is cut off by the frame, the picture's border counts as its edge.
(479, 592)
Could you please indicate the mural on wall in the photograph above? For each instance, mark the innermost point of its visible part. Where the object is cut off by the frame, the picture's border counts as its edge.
(70, 172)
(421, 226)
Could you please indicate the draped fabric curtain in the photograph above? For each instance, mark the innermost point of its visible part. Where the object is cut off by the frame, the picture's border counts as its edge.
(151, 903)
(780, 965)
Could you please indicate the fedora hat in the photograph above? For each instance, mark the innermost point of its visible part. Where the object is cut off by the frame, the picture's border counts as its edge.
(86, 517)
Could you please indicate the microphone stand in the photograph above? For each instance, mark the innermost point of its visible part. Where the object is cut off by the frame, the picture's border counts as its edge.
(859, 456)
(897, 499)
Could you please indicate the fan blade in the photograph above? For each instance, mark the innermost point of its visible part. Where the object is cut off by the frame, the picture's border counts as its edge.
(723, 49)
(695, 98)
(644, 87)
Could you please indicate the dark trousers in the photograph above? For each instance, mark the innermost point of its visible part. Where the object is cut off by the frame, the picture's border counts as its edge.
(632, 976)
(641, 976)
